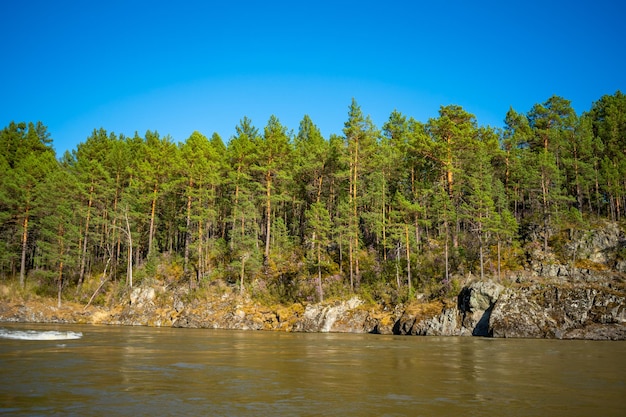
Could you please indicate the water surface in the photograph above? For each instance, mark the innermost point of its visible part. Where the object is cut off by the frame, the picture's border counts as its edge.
(137, 371)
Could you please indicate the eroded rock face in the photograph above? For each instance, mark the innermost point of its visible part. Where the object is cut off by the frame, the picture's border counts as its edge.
(476, 303)
(140, 296)
(547, 310)
(469, 317)
(528, 309)
(552, 311)
(601, 246)
(445, 324)
(331, 318)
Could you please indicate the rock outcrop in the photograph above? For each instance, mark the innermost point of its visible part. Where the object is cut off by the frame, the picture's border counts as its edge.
(340, 316)
(542, 309)
(560, 311)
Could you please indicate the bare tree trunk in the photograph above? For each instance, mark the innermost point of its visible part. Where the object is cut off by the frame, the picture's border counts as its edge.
(232, 241)
(544, 193)
(103, 280)
(482, 260)
(350, 257)
(447, 276)
(319, 272)
(398, 284)
(268, 214)
(60, 284)
(201, 260)
(129, 270)
(499, 260)
(187, 232)
(384, 231)
(152, 215)
(83, 258)
(408, 257)
(244, 257)
(24, 248)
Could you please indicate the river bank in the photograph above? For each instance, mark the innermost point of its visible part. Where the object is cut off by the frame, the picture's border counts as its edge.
(590, 308)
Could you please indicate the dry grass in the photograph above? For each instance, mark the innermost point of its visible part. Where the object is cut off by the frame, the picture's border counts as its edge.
(422, 311)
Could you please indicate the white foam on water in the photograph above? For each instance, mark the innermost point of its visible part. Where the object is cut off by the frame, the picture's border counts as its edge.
(38, 335)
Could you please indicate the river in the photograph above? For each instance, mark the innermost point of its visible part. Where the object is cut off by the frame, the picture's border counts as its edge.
(136, 371)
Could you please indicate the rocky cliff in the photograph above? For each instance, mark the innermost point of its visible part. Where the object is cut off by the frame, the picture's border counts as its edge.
(532, 310)
(535, 310)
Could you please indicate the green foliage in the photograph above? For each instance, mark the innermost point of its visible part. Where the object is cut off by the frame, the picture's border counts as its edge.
(388, 213)
(45, 283)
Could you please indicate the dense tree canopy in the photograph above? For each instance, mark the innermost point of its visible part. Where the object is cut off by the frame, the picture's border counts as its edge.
(301, 216)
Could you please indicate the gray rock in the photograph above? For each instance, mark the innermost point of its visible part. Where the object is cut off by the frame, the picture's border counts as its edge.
(446, 324)
(322, 317)
(476, 304)
(557, 311)
(140, 296)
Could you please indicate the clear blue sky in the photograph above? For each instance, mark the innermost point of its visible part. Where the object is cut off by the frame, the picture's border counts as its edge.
(180, 66)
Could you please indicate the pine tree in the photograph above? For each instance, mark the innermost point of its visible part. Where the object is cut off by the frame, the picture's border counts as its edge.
(273, 152)
(95, 187)
(517, 165)
(312, 166)
(199, 171)
(319, 228)
(478, 206)
(551, 123)
(608, 119)
(117, 163)
(30, 159)
(244, 231)
(360, 137)
(453, 133)
(59, 226)
(151, 177)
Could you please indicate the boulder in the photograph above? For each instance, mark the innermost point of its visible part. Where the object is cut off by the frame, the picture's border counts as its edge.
(476, 303)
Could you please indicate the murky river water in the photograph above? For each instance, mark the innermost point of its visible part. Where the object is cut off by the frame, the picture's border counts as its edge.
(124, 371)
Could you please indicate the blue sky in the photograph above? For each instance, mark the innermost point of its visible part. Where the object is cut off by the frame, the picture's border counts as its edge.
(176, 67)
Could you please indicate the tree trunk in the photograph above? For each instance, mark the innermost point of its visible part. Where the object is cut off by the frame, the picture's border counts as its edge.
(152, 215)
(235, 205)
(544, 194)
(201, 260)
(408, 257)
(482, 259)
(268, 214)
(319, 272)
(449, 174)
(398, 284)
(354, 255)
(447, 276)
(350, 257)
(129, 269)
(24, 248)
(499, 260)
(60, 284)
(83, 258)
(115, 236)
(320, 180)
(188, 232)
(384, 226)
(244, 257)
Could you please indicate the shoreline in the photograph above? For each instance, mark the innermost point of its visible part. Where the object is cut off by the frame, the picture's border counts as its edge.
(488, 309)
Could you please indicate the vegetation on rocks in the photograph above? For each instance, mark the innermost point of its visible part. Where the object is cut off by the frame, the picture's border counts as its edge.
(260, 228)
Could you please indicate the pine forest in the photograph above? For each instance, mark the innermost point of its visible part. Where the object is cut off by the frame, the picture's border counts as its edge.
(289, 215)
